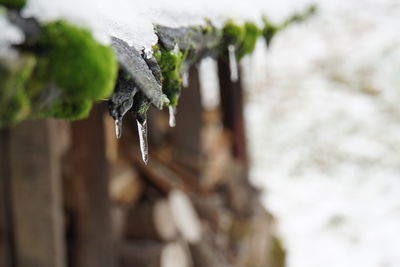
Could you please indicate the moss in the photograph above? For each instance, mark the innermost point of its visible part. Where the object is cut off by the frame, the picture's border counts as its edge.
(75, 62)
(13, 4)
(277, 253)
(171, 65)
(208, 28)
(67, 109)
(14, 102)
(248, 43)
(299, 17)
(76, 68)
(232, 33)
(269, 31)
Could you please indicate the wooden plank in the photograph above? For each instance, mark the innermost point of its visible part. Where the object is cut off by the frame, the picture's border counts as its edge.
(90, 206)
(232, 109)
(36, 194)
(186, 134)
(5, 215)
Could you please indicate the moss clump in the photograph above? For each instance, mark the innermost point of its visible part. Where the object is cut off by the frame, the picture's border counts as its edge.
(75, 62)
(14, 102)
(269, 31)
(277, 253)
(232, 34)
(248, 43)
(171, 66)
(300, 17)
(67, 109)
(13, 4)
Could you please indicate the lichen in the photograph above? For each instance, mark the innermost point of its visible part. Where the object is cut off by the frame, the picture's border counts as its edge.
(13, 4)
(170, 63)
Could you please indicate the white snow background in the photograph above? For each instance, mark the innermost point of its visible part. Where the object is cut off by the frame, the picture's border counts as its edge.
(323, 120)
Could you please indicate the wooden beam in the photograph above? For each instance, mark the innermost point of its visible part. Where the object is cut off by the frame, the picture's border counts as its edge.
(186, 135)
(87, 181)
(5, 212)
(232, 109)
(36, 194)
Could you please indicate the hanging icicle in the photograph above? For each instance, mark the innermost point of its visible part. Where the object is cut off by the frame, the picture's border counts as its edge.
(172, 113)
(118, 128)
(144, 147)
(185, 78)
(233, 63)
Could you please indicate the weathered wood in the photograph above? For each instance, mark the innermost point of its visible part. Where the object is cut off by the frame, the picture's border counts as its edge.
(125, 185)
(157, 174)
(232, 109)
(36, 194)
(87, 181)
(185, 216)
(186, 138)
(153, 254)
(5, 212)
(133, 63)
(206, 253)
(153, 221)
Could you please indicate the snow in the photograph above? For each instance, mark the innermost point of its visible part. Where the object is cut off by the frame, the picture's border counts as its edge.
(9, 35)
(133, 20)
(324, 133)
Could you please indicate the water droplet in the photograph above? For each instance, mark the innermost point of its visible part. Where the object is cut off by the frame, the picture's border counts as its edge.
(176, 49)
(233, 63)
(144, 147)
(172, 113)
(148, 53)
(118, 128)
(185, 78)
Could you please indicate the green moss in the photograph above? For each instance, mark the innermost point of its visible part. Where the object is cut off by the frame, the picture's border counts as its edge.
(14, 4)
(300, 17)
(269, 31)
(75, 62)
(277, 253)
(232, 33)
(208, 28)
(14, 102)
(67, 109)
(170, 63)
(248, 43)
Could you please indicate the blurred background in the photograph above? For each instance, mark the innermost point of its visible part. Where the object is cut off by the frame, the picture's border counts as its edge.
(323, 126)
(294, 164)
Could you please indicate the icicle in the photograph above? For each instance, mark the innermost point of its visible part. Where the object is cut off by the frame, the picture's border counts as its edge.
(172, 113)
(185, 78)
(233, 63)
(144, 148)
(118, 128)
